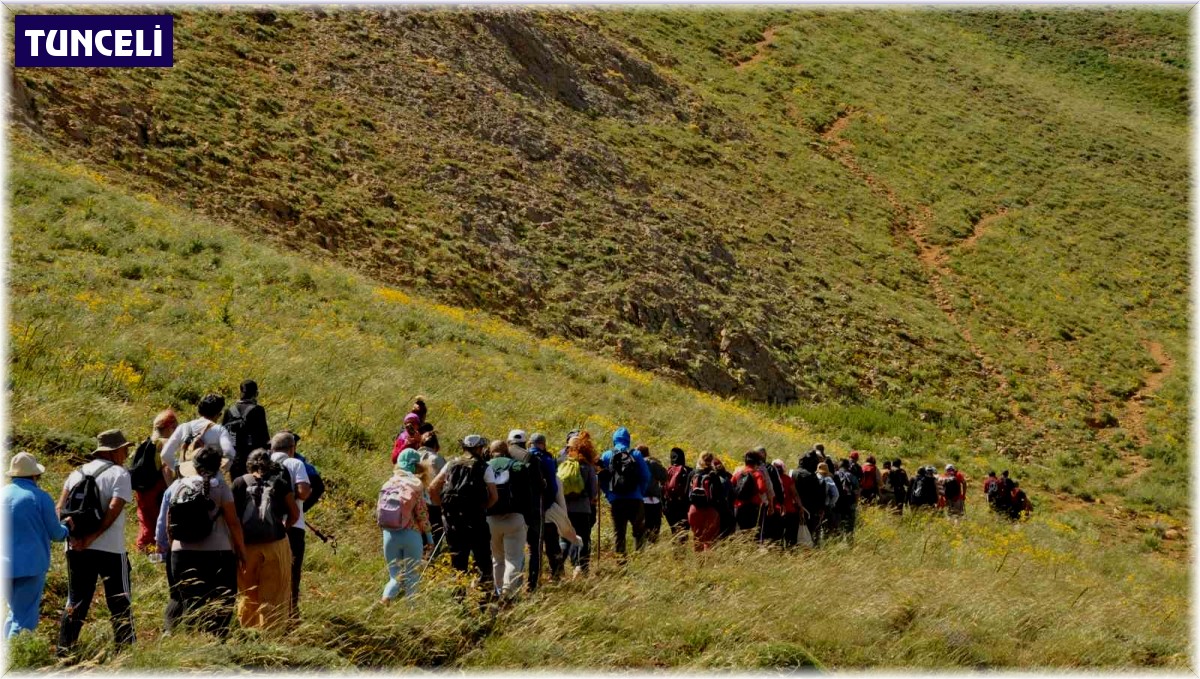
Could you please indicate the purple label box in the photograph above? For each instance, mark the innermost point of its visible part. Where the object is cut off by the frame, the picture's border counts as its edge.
(95, 40)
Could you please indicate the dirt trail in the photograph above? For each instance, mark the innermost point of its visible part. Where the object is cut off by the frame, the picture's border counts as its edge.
(1135, 415)
(760, 48)
(981, 227)
(915, 224)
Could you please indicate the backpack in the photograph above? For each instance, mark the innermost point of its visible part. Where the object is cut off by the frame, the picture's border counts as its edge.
(847, 487)
(190, 514)
(868, 477)
(262, 515)
(991, 488)
(144, 474)
(706, 490)
(676, 488)
(315, 482)
(658, 476)
(810, 490)
(952, 488)
(776, 485)
(239, 430)
(514, 496)
(624, 479)
(570, 475)
(464, 492)
(84, 506)
(899, 481)
(397, 504)
(747, 487)
(192, 445)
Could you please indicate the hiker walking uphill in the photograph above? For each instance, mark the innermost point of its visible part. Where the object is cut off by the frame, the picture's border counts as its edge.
(579, 484)
(147, 479)
(954, 491)
(246, 422)
(183, 443)
(830, 521)
(464, 497)
(772, 529)
(625, 477)
(871, 481)
(750, 495)
(811, 490)
(675, 492)
(532, 512)
(199, 528)
(515, 486)
(93, 499)
(706, 494)
(654, 494)
(847, 505)
(789, 508)
(283, 453)
(898, 483)
(725, 509)
(404, 519)
(32, 526)
(431, 458)
(552, 509)
(266, 507)
(924, 490)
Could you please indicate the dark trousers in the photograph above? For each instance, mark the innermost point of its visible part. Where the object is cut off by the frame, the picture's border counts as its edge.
(582, 522)
(543, 535)
(749, 517)
(676, 514)
(791, 529)
(435, 520)
(654, 521)
(296, 540)
(203, 590)
(83, 567)
(813, 522)
(466, 537)
(772, 527)
(848, 518)
(629, 512)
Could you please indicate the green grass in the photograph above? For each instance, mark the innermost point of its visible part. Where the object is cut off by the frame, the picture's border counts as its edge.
(338, 358)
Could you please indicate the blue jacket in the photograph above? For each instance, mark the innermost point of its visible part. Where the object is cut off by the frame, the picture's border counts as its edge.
(33, 523)
(621, 442)
(549, 471)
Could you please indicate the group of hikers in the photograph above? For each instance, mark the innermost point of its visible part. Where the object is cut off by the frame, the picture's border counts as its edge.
(239, 544)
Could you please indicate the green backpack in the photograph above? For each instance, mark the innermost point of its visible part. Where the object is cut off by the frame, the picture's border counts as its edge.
(570, 475)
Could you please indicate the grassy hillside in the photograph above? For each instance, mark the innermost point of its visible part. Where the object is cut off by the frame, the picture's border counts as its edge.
(121, 305)
(976, 220)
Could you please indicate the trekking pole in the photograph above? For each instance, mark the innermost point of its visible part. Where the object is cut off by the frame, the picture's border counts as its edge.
(432, 556)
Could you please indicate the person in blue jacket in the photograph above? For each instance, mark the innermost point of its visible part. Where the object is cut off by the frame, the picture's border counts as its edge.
(625, 478)
(33, 524)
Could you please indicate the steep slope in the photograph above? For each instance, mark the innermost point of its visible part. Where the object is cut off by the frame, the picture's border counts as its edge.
(121, 304)
(767, 204)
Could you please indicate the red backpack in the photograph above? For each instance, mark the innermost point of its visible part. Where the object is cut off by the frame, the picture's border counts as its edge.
(676, 488)
(868, 477)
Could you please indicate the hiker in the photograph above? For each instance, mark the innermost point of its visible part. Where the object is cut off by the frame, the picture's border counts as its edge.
(534, 513)
(790, 510)
(625, 478)
(518, 496)
(1004, 496)
(654, 494)
(898, 482)
(577, 480)
(870, 481)
(564, 453)
(147, 479)
(431, 458)
(200, 525)
(206, 429)
(246, 422)
(553, 507)
(829, 522)
(855, 468)
(750, 495)
(954, 491)
(705, 494)
(772, 528)
(675, 492)
(32, 525)
(847, 505)
(419, 408)
(811, 491)
(886, 495)
(991, 488)
(464, 497)
(725, 507)
(1019, 504)
(266, 508)
(410, 436)
(403, 516)
(283, 453)
(94, 498)
(924, 489)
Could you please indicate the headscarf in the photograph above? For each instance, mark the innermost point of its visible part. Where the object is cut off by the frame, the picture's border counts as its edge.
(408, 461)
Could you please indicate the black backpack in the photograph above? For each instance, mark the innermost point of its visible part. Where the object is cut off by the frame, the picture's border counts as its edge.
(239, 430)
(624, 473)
(84, 506)
(143, 473)
(516, 495)
(190, 514)
(952, 488)
(707, 490)
(747, 487)
(464, 492)
(899, 482)
(810, 490)
(847, 487)
(776, 483)
(315, 482)
(262, 506)
(658, 476)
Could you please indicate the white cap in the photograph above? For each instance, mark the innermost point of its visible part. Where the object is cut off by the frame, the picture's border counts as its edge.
(517, 436)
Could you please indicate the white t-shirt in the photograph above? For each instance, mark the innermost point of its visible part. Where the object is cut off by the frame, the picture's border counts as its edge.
(295, 469)
(216, 435)
(112, 482)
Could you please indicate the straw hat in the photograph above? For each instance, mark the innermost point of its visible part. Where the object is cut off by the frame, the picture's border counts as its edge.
(24, 465)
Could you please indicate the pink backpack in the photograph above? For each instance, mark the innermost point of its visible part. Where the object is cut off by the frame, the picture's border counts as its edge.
(397, 504)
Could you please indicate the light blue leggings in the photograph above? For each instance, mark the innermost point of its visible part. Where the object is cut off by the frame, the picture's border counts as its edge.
(402, 550)
(24, 600)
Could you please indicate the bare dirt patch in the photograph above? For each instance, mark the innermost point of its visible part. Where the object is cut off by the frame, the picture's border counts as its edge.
(760, 49)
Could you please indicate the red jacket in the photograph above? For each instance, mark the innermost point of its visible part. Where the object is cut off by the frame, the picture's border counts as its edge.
(791, 500)
(760, 480)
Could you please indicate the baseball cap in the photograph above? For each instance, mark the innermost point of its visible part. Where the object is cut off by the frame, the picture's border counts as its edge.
(517, 436)
(474, 441)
